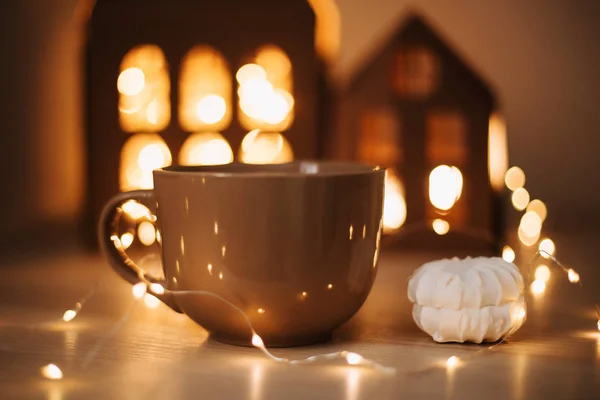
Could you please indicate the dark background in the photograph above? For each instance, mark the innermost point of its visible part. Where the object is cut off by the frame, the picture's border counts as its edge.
(542, 59)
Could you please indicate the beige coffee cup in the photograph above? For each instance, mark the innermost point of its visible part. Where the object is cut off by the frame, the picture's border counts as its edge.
(294, 246)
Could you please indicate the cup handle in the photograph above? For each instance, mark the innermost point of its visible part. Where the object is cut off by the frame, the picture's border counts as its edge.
(113, 250)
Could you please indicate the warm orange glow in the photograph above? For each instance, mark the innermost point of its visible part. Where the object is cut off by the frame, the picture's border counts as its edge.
(131, 81)
(139, 290)
(542, 273)
(146, 233)
(249, 72)
(144, 90)
(205, 149)
(538, 287)
(440, 226)
(127, 239)
(327, 29)
(140, 155)
(520, 199)
(265, 99)
(135, 210)
(526, 239)
(211, 109)
(265, 148)
(514, 178)
(547, 246)
(531, 224)
(508, 254)
(394, 204)
(205, 91)
(497, 151)
(538, 207)
(151, 301)
(445, 186)
(51, 371)
(573, 276)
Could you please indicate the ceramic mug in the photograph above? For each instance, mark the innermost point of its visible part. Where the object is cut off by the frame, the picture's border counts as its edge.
(294, 246)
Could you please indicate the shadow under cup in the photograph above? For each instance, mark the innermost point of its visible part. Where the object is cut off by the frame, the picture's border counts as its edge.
(292, 245)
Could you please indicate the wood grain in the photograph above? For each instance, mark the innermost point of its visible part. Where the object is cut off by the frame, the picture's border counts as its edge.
(158, 354)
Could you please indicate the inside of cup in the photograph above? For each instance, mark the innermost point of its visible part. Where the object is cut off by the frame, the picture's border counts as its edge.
(292, 168)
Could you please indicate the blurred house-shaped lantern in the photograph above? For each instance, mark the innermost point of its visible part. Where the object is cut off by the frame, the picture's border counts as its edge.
(194, 82)
(418, 110)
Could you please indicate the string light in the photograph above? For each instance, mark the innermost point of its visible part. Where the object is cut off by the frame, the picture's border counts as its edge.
(440, 226)
(573, 276)
(542, 273)
(547, 247)
(51, 371)
(538, 287)
(157, 288)
(69, 315)
(452, 362)
(353, 358)
(151, 301)
(139, 290)
(508, 254)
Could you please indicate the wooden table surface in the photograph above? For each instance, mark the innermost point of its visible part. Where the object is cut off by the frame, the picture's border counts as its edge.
(158, 354)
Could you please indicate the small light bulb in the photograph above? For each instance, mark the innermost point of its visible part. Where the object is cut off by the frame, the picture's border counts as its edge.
(157, 288)
(542, 273)
(547, 248)
(139, 290)
(573, 276)
(151, 301)
(508, 254)
(353, 358)
(452, 362)
(261, 310)
(69, 315)
(330, 286)
(304, 294)
(257, 341)
(538, 287)
(51, 371)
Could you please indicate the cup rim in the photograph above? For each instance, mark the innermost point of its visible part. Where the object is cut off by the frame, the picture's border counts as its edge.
(294, 169)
